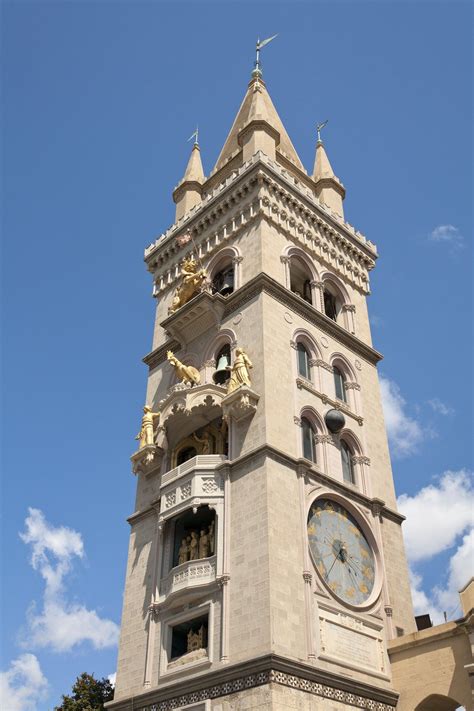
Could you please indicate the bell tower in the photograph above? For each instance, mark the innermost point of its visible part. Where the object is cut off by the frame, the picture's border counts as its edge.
(266, 565)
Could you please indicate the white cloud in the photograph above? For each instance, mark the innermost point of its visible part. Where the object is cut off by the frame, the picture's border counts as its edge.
(447, 234)
(112, 678)
(60, 624)
(440, 407)
(404, 432)
(23, 685)
(447, 505)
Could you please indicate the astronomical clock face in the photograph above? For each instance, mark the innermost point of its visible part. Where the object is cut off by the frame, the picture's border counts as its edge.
(341, 552)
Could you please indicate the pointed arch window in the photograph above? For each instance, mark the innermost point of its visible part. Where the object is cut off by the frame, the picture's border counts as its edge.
(304, 368)
(339, 384)
(308, 433)
(347, 464)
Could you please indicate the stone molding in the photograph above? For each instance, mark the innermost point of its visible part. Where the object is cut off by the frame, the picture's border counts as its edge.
(303, 384)
(263, 283)
(269, 669)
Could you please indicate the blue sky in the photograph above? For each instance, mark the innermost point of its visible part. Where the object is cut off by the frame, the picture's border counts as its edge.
(98, 101)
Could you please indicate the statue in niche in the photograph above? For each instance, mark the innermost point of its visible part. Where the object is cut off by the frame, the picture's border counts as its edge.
(147, 430)
(240, 371)
(187, 373)
(211, 538)
(195, 639)
(183, 552)
(192, 279)
(206, 442)
(203, 544)
(193, 547)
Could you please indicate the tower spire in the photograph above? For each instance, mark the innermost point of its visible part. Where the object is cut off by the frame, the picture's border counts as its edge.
(188, 193)
(329, 188)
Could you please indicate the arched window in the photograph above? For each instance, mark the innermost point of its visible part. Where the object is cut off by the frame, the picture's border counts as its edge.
(300, 279)
(330, 304)
(303, 361)
(308, 432)
(339, 384)
(221, 374)
(223, 280)
(347, 465)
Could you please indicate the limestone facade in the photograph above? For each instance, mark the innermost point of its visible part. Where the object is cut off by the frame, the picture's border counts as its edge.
(277, 636)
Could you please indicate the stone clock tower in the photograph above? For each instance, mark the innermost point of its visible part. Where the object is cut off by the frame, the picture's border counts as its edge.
(266, 565)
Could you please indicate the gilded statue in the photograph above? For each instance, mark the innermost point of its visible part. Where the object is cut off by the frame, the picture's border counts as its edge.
(239, 371)
(187, 373)
(192, 280)
(147, 430)
(205, 442)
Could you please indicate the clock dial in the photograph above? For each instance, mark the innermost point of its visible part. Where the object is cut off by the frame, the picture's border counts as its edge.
(341, 552)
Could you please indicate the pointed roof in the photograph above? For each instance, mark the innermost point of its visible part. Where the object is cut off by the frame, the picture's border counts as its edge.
(194, 171)
(322, 166)
(257, 106)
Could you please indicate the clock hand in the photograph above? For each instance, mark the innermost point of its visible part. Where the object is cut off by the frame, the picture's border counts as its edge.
(332, 566)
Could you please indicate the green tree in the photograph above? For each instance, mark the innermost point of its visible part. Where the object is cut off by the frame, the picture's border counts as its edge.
(88, 694)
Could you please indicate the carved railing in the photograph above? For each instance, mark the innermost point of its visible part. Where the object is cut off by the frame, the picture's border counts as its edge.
(191, 574)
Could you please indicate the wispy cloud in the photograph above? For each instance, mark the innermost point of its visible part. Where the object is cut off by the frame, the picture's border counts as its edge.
(447, 234)
(23, 685)
(60, 624)
(376, 321)
(440, 407)
(404, 431)
(448, 503)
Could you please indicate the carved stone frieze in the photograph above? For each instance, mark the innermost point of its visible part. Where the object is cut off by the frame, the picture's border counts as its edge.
(187, 400)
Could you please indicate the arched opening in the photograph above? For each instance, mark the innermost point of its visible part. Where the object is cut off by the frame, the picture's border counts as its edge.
(222, 364)
(194, 536)
(184, 454)
(436, 702)
(300, 279)
(222, 281)
(304, 368)
(308, 433)
(332, 303)
(348, 474)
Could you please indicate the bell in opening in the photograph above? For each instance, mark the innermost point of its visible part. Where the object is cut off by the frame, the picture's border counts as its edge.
(222, 372)
(223, 282)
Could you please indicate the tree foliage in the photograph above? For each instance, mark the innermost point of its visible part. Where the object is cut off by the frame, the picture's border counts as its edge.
(88, 694)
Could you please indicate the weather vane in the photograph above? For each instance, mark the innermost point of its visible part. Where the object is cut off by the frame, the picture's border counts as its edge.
(257, 72)
(195, 135)
(319, 128)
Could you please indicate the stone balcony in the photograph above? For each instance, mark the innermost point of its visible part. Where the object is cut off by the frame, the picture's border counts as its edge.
(193, 574)
(193, 483)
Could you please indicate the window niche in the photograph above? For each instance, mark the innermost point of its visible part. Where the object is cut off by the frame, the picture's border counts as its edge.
(331, 304)
(189, 641)
(194, 536)
(222, 373)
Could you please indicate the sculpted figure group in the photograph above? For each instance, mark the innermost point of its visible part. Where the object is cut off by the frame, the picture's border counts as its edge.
(195, 547)
(192, 281)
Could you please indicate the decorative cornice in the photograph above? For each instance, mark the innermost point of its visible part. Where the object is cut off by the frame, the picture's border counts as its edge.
(268, 669)
(303, 384)
(263, 283)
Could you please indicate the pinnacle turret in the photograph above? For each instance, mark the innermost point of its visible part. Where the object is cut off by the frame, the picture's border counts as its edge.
(329, 188)
(189, 191)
